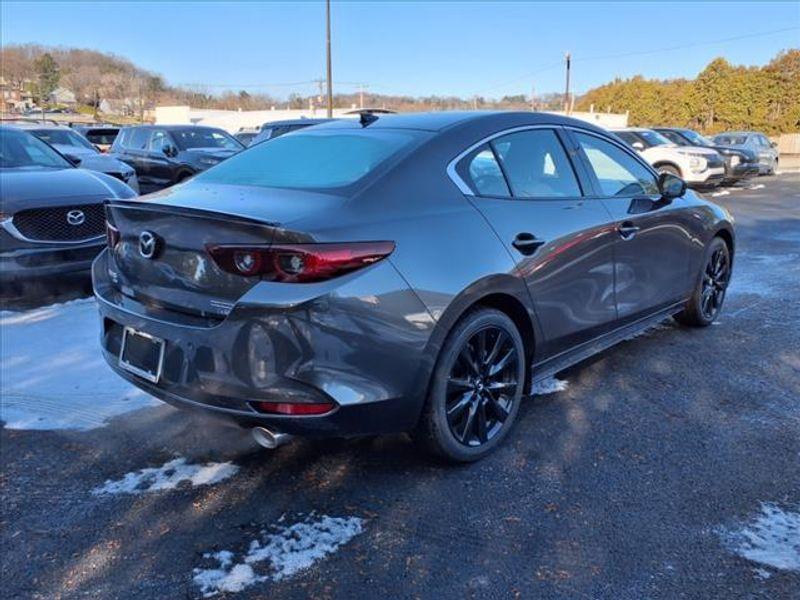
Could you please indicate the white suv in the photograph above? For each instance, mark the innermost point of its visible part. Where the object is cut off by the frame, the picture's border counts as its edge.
(696, 165)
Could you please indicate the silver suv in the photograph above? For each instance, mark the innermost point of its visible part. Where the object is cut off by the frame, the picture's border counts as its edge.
(752, 140)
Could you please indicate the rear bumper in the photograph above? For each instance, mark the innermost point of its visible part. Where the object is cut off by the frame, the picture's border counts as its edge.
(741, 171)
(707, 178)
(360, 345)
(29, 261)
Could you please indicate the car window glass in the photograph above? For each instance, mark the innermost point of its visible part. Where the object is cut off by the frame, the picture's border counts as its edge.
(138, 139)
(158, 141)
(484, 175)
(618, 173)
(536, 165)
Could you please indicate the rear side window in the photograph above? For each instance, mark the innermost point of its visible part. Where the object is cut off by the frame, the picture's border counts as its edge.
(617, 172)
(536, 165)
(483, 174)
(137, 139)
(313, 159)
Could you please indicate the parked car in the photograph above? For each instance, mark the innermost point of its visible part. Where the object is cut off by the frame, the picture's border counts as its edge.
(767, 151)
(698, 166)
(278, 128)
(402, 273)
(102, 136)
(739, 163)
(246, 135)
(52, 219)
(164, 155)
(81, 152)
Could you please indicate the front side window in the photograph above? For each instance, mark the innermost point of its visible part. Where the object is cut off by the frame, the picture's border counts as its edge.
(202, 137)
(536, 165)
(159, 140)
(313, 160)
(618, 173)
(675, 138)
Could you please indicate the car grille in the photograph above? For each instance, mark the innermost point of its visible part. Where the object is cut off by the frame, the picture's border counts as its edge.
(715, 161)
(53, 224)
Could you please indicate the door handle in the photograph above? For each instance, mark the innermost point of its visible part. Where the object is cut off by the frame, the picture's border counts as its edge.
(627, 230)
(526, 243)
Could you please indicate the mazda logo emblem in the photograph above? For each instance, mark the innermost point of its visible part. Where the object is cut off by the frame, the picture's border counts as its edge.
(76, 217)
(148, 244)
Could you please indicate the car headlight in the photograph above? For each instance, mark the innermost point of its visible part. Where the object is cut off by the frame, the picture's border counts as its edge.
(735, 160)
(697, 162)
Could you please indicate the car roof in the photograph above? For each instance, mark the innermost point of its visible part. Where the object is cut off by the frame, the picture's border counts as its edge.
(632, 129)
(737, 133)
(286, 122)
(173, 127)
(32, 125)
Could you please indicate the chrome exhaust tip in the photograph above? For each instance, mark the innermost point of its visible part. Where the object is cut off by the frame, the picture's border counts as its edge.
(269, 439)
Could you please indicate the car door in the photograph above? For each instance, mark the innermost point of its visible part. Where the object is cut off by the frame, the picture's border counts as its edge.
(527, 188)
(654, 239)
(133, 151)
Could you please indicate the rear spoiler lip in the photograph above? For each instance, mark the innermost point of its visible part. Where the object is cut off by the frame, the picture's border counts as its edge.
(137, 204)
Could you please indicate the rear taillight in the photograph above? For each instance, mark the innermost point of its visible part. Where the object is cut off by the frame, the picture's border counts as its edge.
(298, 263)
(292, 408)
(112, 235)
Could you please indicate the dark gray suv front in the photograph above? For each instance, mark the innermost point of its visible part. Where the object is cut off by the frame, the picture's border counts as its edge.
(405, 273)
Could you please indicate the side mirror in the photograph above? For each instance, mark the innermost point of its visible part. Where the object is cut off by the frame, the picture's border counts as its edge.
(639, 146)
(671, 186)
(774, 144)
(73, 159)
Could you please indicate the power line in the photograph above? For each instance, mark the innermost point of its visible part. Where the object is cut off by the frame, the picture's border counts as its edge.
(686, 46)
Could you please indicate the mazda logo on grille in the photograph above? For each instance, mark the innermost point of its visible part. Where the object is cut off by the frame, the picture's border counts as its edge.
(76, 217)
(148, 244)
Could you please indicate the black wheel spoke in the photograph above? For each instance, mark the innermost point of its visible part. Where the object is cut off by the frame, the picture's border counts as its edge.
(457, 409)
(458, 385)
(480, 423)
(501, 364)
(468, 423)
(469, 360)
(496, 347)
(498, 409)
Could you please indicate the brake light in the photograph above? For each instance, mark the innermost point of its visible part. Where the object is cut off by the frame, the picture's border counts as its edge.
(112, 235)
(299, 263)
(290, 408)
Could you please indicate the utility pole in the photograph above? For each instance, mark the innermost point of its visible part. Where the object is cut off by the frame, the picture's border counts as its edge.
(328, 55)
(566, 92)
(533, 98)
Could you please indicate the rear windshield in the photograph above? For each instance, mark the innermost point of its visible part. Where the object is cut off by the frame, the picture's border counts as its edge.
(104, 137)
(731, 140)
(313, 159)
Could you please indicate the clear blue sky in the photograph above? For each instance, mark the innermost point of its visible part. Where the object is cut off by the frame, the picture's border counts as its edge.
(415, 48)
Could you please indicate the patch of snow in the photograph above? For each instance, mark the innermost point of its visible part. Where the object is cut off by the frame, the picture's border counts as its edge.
(758, 186)
(722, 193)
(53, 373)
(772, 538)
(762, 573)
(167, 477)
(285, 551)
(551, 385)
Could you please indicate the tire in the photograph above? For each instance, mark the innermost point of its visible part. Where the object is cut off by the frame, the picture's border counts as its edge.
(706, 301)
(476, 389)
(669, 169)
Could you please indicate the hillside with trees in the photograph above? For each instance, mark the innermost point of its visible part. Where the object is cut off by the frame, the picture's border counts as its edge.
(721, 97)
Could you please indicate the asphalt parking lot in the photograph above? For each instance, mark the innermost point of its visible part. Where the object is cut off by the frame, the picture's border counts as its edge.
(667, 467)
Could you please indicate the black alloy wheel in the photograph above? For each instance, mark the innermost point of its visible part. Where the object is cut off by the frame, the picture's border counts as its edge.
(706, 302)
(715, 282)
(476, 388)
(481, 386)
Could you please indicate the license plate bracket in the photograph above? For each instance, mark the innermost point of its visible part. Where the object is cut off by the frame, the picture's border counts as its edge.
(142, 354)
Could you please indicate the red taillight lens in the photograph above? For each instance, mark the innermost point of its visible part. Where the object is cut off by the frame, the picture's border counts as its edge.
(112, 235)
(288, 408)
(298, 263)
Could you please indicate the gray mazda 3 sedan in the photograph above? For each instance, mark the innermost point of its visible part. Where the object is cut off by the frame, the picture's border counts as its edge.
(402, 273)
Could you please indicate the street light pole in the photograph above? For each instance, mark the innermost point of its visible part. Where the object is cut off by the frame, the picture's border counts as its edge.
(328, 55)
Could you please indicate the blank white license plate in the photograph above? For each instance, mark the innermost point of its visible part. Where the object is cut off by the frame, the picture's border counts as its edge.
(142, 354)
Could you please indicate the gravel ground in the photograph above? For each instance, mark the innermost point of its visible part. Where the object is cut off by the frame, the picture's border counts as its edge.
(668, 467)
